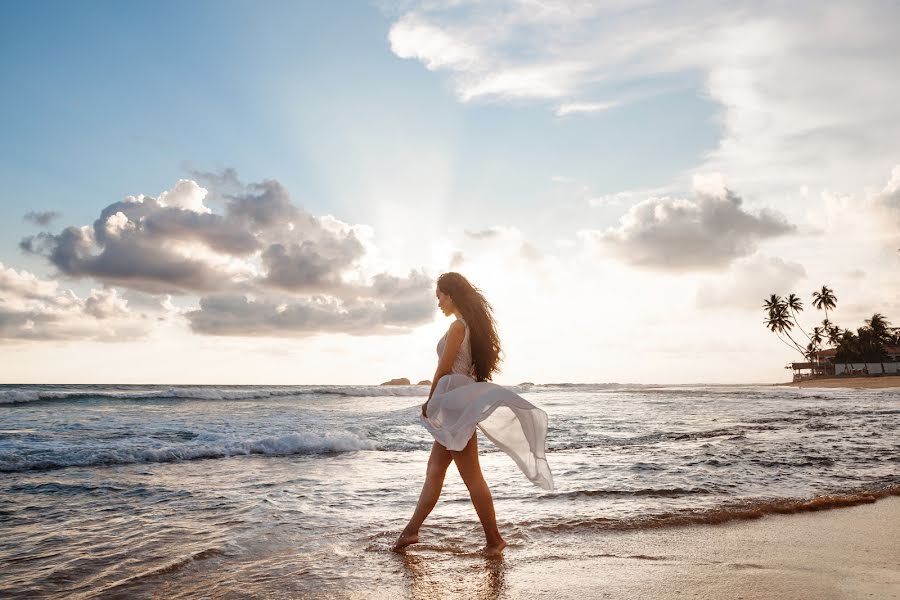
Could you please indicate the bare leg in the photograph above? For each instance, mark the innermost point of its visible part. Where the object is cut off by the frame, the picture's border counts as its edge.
(470, 470)
(434, 481)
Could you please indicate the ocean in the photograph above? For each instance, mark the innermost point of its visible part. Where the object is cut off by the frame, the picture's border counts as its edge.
(299, 492)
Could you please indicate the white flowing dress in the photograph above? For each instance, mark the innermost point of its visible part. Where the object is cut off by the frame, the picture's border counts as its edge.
(460, 404)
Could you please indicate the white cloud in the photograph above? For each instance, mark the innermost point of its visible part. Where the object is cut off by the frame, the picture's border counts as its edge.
(106, 303)
(117, 223)
(708, 231)
(186, 195)
(411, 37)
(748, 282)
(508, 241)
(22, 287)
(571, 108)
(538, 81)
(261, 254)
(37, 309)
(807, 90)
(872, 214)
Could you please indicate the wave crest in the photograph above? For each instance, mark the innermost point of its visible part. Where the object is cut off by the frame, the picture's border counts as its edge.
(203, 446)
(736, 511)
(21, 396)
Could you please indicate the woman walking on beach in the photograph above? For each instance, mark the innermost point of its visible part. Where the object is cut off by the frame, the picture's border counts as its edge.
(461, 399)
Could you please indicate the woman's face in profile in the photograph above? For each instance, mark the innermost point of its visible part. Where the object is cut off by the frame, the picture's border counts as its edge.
(445, 303)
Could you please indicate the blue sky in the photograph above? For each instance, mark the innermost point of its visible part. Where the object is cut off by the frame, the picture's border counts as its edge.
(425, 124)
(111, 99)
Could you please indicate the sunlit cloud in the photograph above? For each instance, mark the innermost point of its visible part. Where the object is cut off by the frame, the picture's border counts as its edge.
(264, 267)
(806, 90)
(748, 282)
(874, 212)
(37, 309)
(507, 239)
(412, 37)
(708, 231)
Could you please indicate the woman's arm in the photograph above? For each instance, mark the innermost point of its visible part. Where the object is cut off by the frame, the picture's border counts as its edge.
(455, 336)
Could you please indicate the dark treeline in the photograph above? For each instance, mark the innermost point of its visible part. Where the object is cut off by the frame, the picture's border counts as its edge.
(868, 343)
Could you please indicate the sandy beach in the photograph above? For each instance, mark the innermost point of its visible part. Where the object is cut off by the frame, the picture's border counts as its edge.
(847, 553)
(860, 383)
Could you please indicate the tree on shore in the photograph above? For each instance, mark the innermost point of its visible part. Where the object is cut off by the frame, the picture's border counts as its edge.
(847, 348)
(880, 335)
(795, 305)
(867, 344)
(832, 331)
(782, 318)
(780, 321)
(825, 299)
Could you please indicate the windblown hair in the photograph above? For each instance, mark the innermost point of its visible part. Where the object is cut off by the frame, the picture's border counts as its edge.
(478, 315)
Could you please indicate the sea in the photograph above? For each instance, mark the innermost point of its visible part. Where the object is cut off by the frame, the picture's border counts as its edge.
(162, 491)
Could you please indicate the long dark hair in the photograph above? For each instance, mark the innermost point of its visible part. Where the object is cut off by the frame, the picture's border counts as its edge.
(478, 314)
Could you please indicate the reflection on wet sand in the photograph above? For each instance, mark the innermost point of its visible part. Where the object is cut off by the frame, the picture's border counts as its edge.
(431, 577)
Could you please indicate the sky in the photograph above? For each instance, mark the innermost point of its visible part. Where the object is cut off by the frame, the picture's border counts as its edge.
(231, 192)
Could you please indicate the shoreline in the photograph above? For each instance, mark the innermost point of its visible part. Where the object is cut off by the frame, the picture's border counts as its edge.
(864, 382)
(836, 554)
(860, 383)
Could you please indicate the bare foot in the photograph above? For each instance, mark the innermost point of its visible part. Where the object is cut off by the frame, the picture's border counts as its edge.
(405, 540)
(494, 550)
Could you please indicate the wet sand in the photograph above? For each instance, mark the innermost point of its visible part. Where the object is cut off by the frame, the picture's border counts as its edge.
(840, 554)
(848, 553)
(861, 383)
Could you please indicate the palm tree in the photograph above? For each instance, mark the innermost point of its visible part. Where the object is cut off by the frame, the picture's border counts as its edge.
(881, 337)
(772, 304)
(868, 346)
(779, 320)
(817, 338)
(847, 348)
(881, 327)
(825, 299)
(810, 352)
(794, 303)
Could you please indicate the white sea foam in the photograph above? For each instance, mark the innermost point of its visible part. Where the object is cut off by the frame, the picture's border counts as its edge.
(145, 450)
(16, 396)
(26, 394)
(22, 396)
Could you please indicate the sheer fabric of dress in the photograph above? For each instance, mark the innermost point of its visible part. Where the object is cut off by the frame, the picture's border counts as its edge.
(460, 404)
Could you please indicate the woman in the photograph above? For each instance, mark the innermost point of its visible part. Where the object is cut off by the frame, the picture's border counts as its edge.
(461, 399)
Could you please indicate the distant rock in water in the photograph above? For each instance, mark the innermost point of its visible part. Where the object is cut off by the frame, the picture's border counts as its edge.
(528, 383)
(400, 381)
(424, 382)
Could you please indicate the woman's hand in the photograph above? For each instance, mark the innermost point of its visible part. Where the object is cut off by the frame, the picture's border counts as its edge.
(425, 409)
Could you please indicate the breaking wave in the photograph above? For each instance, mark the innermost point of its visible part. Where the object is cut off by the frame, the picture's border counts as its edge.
(19, 396)
(202, 447)
(734, 511)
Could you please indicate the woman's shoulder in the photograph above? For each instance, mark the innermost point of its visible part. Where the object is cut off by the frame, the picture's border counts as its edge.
(458, 326)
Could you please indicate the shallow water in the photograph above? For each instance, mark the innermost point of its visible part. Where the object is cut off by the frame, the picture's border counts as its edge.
(189, 491)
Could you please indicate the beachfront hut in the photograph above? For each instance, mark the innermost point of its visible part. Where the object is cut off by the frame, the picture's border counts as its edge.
(808, 370)
(824, 364)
